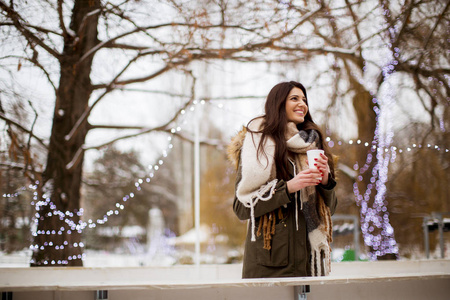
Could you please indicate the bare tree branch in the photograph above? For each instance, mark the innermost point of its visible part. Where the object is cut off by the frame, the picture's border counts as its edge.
(430, 34)
(358, 20)
(161, 92)
(348, 171)
(170, 65)
(197, 26)
(76, 159)
(17, 21)
(38, 28)
(355, 20)
(163, 127)
(406, 15)
(108, 89)
(61, 19)
(34, 60)
(141, 29)
(115, 45)
(85, 20)
(9, 121)
(116, 10)
(19, 166)
(31, 132)
(431, 110)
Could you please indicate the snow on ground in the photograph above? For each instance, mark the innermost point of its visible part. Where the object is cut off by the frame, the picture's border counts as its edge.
(21, 259)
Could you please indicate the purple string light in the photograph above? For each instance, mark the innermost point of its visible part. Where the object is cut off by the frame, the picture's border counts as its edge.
(377, 231)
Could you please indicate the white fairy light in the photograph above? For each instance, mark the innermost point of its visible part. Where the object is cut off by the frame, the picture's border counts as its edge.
(381, 241)
(370, 213)
(90, 224)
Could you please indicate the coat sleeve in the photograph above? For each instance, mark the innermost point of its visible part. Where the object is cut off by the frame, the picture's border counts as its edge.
(279, 198)
(328, 194)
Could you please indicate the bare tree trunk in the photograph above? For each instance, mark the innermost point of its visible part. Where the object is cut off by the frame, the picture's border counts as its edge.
(61, 181)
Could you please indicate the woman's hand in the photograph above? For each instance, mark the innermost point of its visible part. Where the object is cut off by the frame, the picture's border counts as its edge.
(303, 179)
(322, 165)
(310, 176)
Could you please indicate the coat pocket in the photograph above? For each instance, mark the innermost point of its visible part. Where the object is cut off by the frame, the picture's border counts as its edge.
(278, 255)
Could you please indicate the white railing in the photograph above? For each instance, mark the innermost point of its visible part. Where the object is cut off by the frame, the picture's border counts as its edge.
(425, 279)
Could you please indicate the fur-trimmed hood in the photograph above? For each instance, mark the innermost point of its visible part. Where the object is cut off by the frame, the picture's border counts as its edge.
(235, 146)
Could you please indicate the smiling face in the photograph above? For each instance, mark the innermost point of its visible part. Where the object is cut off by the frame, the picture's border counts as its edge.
(296, 108)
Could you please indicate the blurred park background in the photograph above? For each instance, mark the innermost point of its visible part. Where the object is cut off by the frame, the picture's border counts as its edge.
(100, 102)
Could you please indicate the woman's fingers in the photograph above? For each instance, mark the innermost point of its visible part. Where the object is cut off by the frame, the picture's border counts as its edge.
(322, 164)
(309, 172)
(303, 179)
(306, 178)
(310, 176)
(323, 160)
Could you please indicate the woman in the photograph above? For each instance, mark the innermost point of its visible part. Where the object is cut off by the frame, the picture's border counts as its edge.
(289, 205)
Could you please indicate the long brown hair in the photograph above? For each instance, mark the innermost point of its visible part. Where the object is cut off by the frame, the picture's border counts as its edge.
(275, 123)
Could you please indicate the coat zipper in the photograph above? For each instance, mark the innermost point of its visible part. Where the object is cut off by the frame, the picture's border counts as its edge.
(296, 198)
(297, 194)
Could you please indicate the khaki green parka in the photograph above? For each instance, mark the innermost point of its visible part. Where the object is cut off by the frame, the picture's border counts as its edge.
(290, 252)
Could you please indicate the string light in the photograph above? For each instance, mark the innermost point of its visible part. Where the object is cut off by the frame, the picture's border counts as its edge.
(368, 215)
(377, 231)
(90, 223)
(82, 225)
(381, 241)
(408, 148)
(331, 144)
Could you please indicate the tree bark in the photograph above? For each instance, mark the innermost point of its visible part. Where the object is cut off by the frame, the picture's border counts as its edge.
(62, 183)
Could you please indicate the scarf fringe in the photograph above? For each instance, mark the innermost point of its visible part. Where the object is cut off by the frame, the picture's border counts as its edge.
(263, 194)
(320, 252)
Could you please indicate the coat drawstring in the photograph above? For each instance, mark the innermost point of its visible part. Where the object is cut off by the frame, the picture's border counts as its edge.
(296, 197)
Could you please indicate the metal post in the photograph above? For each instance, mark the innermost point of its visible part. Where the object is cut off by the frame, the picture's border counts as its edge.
(300, 292)
(101, 295)
(356, 236)
(426, 236)
(441, 233)
(197, 183)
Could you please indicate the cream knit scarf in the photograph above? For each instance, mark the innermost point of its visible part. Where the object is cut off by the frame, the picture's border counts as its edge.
(258, 184)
